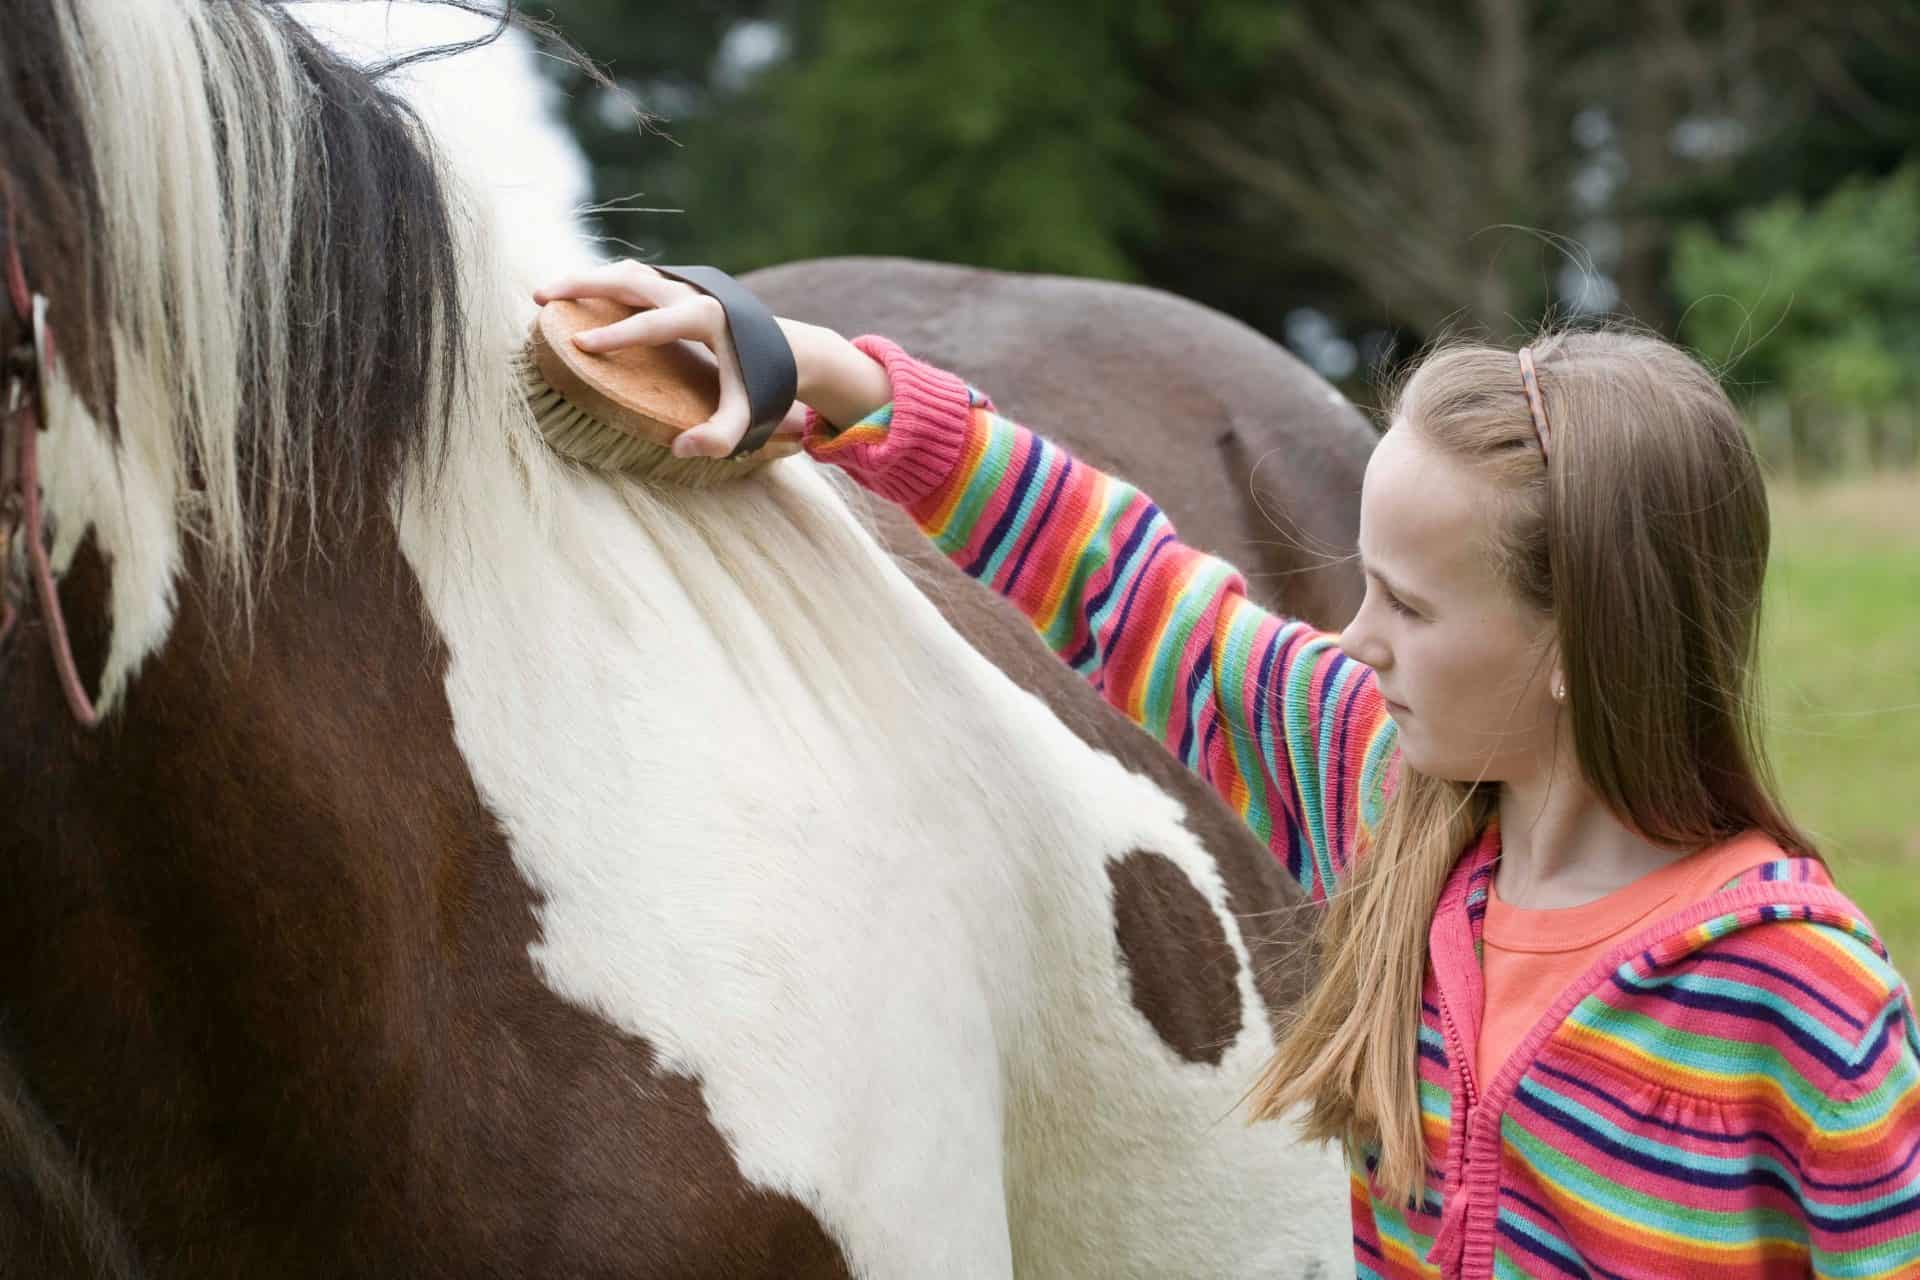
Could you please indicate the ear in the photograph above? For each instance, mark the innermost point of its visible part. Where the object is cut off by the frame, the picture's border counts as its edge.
(1555, 665)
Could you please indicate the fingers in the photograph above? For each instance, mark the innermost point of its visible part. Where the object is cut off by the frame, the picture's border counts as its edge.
(629, 282)
(698, 319)
(704, 441)
(717, 436)
(668, 311)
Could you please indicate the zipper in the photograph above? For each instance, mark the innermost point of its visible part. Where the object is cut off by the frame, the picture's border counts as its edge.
(1457, 1044)
(1450, 956)
(1469, 1091)
(1454, 1220)
(1815, 901)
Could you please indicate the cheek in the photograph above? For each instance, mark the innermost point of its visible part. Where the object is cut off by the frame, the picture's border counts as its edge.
(1445, 666)
(1478, 705)
(1471, 687)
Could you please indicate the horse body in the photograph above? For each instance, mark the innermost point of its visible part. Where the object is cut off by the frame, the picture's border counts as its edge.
(545, 873)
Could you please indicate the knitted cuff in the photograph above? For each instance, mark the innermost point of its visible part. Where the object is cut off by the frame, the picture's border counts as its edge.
(915, 452)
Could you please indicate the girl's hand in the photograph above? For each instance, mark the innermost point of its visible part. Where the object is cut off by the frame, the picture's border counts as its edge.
(835, 377)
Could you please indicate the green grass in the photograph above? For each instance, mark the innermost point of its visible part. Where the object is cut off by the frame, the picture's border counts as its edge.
(1840, 668)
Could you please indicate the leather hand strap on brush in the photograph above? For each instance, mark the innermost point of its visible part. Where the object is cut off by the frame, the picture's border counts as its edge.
(621, 410)
(766, 361)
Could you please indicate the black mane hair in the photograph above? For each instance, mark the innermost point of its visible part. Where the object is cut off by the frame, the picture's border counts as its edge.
(376, 272)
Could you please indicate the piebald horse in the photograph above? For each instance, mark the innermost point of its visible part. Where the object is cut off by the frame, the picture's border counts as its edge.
(485, 867)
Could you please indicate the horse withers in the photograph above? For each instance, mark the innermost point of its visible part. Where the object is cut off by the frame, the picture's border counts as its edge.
(487, 867)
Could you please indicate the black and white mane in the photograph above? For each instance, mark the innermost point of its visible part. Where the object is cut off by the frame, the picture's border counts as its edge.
(305, 243)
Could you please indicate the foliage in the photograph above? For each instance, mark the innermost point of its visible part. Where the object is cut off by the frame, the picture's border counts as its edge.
(1818, 304)
(998, 133)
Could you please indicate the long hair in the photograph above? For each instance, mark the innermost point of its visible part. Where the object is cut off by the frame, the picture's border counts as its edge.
(1644, 538)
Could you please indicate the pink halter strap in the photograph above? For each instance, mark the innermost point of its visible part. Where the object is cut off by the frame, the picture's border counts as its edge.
(20, 511)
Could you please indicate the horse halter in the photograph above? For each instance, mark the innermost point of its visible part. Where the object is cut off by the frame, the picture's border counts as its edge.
(21, 423)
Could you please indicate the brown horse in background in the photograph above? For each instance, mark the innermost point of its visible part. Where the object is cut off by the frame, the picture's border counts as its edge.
(1251, 455)
(484, 867)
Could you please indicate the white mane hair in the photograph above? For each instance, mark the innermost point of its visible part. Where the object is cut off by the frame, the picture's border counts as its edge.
(199, 122)
(782, 822)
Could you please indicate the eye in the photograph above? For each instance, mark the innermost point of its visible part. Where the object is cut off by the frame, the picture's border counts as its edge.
(1399, 606)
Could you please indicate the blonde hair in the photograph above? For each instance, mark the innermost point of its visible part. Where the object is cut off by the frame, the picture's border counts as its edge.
(1644, 537)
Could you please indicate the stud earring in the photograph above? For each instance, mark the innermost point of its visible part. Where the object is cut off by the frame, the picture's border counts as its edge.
(1560, 692)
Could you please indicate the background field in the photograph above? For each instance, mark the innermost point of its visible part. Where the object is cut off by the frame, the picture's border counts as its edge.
(1842, 675)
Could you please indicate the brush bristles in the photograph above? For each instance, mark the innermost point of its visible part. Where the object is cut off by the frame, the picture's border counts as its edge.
(585, 438)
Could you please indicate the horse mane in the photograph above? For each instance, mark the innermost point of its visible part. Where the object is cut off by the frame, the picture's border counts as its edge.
(287, 324)
(312, 310)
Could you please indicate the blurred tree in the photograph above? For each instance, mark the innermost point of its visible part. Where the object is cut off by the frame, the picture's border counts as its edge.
(1819, 306)
(994, 132)
(1401, 165)
(1855, 110)
(1477, 159)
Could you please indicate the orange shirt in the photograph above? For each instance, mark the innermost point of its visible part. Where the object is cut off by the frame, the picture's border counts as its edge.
(1530, 957)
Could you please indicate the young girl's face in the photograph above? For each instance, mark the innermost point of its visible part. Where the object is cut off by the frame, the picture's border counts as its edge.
(1466, 667)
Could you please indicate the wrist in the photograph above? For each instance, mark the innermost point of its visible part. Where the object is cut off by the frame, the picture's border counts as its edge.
(909, 454)
(836, 379)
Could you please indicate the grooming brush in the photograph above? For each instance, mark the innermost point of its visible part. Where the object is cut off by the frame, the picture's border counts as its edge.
(622, 410)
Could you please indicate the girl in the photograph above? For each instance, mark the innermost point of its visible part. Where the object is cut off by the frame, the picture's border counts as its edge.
(1589, 1001)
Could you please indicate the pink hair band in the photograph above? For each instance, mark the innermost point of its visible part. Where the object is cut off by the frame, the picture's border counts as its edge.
(1530, 383)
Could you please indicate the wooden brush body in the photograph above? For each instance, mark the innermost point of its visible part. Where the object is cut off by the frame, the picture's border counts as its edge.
(621, 410)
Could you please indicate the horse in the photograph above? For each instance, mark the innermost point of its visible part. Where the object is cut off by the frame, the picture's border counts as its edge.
(446, 861)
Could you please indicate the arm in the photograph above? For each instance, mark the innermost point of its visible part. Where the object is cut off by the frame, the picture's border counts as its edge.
(1860, 1189)
(1285, 727)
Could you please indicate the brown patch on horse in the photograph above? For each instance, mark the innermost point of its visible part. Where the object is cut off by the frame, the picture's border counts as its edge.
(264, 961)
(1181, 971)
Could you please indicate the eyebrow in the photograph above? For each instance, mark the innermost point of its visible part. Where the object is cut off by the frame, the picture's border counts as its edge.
(1407, 597)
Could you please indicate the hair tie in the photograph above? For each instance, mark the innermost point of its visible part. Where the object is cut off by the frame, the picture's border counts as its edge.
(1530, 383)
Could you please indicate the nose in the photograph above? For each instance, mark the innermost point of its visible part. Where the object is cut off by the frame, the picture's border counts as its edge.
(1362, 641)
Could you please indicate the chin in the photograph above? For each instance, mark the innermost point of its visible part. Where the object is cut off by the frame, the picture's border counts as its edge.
(1449, 769)
(1409, 747)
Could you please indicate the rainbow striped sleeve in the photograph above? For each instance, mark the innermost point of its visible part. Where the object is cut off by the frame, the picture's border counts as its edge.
(1861, 1188)
(1269, 711)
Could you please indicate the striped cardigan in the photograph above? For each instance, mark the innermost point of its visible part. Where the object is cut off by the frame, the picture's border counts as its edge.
(1733, 1093)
